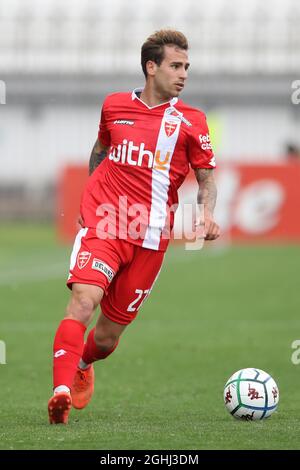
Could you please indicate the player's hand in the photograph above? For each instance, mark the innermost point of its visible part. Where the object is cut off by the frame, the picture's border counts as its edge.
(211, 228)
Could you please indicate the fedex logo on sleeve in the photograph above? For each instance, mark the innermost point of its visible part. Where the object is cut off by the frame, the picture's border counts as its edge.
(205, 141)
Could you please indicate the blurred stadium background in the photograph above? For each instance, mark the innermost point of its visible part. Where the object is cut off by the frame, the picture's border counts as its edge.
(58, 59)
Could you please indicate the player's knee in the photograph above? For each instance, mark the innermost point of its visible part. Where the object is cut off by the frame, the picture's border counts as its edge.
(105, 342)
(81, 308)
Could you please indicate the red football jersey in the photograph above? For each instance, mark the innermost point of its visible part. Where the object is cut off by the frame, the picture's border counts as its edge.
(151, 149)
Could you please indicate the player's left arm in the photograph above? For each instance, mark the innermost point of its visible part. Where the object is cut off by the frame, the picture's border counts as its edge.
(207, 195)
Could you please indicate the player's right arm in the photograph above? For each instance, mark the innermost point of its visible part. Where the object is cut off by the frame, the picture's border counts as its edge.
(98, 154)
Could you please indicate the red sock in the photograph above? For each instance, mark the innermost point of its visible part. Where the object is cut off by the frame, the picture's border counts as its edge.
(67, 349)
(91, 352)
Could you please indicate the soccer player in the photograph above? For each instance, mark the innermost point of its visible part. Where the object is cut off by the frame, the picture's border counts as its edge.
(147, 141)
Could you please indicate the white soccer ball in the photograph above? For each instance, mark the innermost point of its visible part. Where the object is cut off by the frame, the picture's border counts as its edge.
(251, 394)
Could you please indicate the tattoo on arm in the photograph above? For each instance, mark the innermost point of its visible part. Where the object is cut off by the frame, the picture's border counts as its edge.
(207, 193)
(97, 156)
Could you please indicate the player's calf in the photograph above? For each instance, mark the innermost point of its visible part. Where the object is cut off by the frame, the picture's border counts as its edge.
(105, 343)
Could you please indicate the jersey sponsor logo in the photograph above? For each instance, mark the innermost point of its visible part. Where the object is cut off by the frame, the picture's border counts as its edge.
(83, 259)
(161, 164)
(102, 267)
(137, 155)
(205, 141)
(170, 128)
(124, 121)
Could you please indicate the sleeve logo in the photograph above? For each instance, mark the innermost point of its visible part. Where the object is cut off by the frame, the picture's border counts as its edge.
(205, 142)
(213, 161)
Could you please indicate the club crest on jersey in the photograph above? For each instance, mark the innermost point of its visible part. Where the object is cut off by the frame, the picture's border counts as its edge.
(83, 259)
(170, 128)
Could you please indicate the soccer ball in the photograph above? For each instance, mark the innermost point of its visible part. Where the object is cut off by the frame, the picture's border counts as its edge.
(251, 394)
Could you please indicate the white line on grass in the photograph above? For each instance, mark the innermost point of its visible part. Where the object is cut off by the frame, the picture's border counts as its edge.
(34, 274)
(44, 271)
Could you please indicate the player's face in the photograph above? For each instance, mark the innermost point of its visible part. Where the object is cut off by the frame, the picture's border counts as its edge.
(170, 75)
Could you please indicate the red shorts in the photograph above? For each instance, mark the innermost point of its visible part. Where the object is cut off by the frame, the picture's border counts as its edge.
(126, 272)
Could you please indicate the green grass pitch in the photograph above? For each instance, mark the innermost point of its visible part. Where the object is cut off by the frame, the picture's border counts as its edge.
(211, 313)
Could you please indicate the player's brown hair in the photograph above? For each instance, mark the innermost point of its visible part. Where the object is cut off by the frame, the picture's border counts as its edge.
(153, 47)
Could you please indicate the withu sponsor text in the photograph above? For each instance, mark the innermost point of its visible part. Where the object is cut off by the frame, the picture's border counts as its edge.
(136, 155)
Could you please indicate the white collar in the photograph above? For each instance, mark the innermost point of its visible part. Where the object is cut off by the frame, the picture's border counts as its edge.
(134, 96)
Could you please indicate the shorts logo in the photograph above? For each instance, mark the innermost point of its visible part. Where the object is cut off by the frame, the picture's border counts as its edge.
(102, 267)
(83, 258)
(170, 128)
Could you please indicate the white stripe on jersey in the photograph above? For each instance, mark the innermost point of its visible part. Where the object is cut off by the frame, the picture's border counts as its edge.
(76, 247)
(160, 180)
